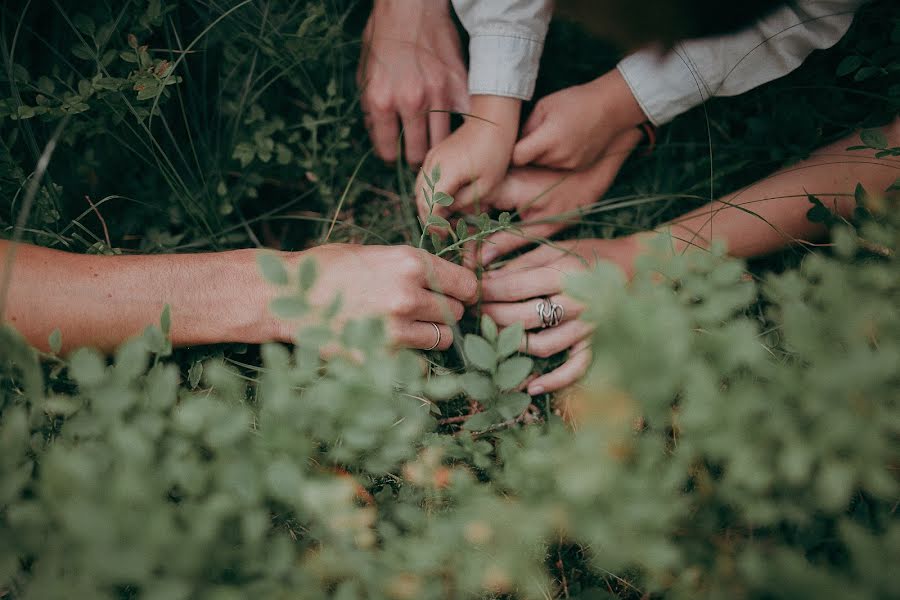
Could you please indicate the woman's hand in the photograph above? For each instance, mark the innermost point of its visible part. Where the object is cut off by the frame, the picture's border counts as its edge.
(574, 127)
(411, 64)
(474, 159)
(547, 201)
(410, 288)
(512, 294)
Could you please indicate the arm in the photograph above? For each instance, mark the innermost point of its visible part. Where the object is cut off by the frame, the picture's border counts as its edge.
(220, 297)
(666, 86)
(506, 38)
(757, 220)
(771, 214)
(103, 300)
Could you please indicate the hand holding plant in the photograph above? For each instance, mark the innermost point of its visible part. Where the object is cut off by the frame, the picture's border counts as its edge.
(474, 159)
(511, 294)
(575, 127)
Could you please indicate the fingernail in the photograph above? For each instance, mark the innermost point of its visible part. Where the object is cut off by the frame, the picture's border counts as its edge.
(535, 390)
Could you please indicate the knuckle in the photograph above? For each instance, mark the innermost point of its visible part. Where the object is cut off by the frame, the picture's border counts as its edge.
(379, 100)
(412, 99)
(401, 304)
(408, 262)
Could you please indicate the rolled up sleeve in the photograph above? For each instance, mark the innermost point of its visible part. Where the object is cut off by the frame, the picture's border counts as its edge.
(506, 39)
(667, 85)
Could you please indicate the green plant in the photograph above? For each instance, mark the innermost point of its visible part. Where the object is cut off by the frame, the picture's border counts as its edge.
(735, 437)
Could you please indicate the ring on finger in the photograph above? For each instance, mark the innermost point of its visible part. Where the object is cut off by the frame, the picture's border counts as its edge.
(550, 313)
(437, 341)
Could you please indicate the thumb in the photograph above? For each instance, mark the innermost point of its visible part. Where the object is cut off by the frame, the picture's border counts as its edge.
(531, 147)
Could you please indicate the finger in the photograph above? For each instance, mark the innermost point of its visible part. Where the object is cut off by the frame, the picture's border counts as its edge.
(504, 242)
(450, 279)
(539, 257)
(535, 119)
(458, 86)
(439, 308)
(415, 135)
(529, 149)
(521, 285)
(438, 126)
(384, 131)
(507, 313)
(568, 373)
(421, 335)
(546, 343)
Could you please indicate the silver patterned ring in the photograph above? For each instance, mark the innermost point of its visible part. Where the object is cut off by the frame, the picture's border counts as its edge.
(437, 342)
(551, 313)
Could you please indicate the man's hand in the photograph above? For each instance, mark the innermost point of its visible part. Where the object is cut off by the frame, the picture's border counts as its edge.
(574, 127)
(409, 287)
(475, 158)
(411, 64)
(547, 201)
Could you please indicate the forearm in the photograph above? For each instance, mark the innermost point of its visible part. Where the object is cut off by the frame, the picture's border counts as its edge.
(100, 301)
(772, 213)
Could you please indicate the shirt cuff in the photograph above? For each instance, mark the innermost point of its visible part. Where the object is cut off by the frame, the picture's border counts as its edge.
(665, 86)
(503, 65)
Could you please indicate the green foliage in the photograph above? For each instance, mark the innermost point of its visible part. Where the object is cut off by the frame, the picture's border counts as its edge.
(761, 465)
(734, 438)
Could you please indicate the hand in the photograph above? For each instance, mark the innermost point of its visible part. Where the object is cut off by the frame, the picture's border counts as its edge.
(475, 158)
(409, 287)
(574, 127)
(510, 295)
(538, 195)
(411, 63)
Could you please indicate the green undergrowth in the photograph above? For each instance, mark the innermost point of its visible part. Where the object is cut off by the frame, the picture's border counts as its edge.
(735, 438)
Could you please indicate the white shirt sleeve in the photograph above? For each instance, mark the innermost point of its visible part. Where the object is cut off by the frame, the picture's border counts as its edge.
(506, 38)
(667, 85)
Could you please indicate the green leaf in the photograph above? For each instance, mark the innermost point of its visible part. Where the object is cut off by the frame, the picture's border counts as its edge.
(478, 387)
(513, 372)
(165, 320)
(860, 195)
(480, 353)
(488, 329)
(87, 367)
(849, 65)
(289, 307)
(512, 404)
(481, 421)
(442, 198)
(462, 230)
(874, 138)
(333, 308)
(194, 374)
(443, 387)
(504, 219)
(435, 174)
(509, 340)
(437, 243)
(55, 341)
(438, 221)
(272, 268)
(867, 73)
(308, 273)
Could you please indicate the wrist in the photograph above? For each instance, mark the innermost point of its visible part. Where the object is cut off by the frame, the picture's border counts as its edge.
(497, 111)
(616, 101)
